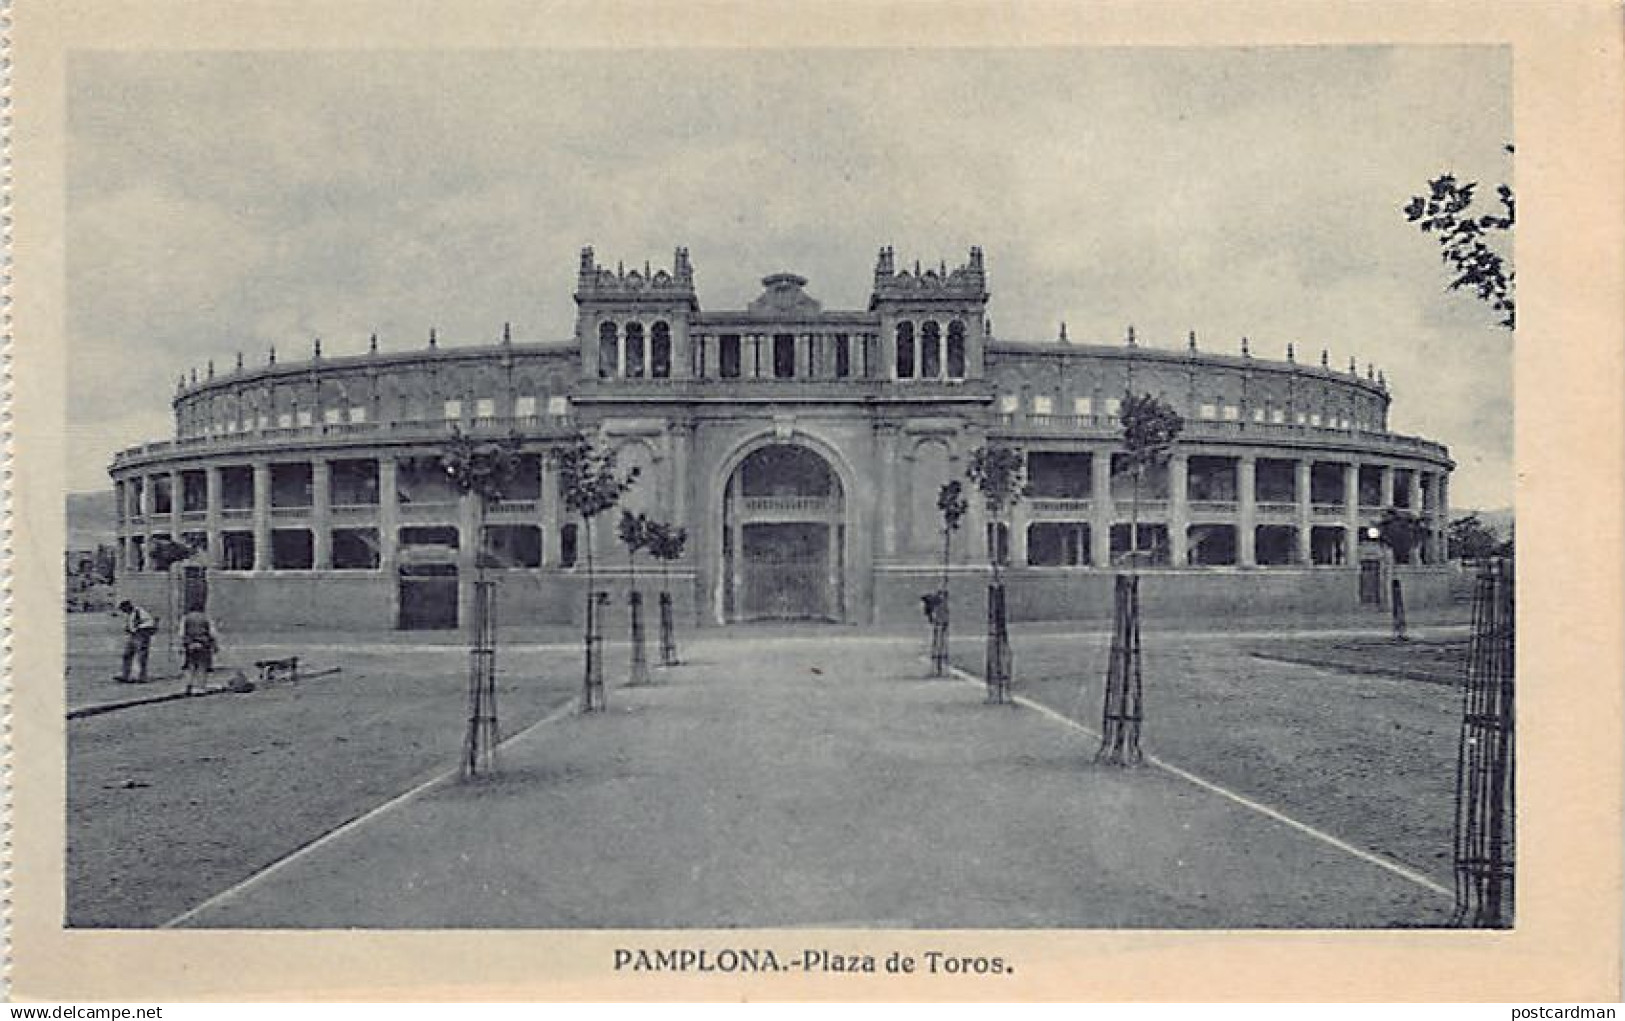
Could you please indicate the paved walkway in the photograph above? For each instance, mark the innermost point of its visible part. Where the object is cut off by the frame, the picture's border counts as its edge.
(806, 782)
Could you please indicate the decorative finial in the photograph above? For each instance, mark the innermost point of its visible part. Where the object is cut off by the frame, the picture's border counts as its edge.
(433, 341)
(1131, 335)
(239, 361)
(1382, 379)
(1245, 353)
(1354, 369)
(1291, 355)
(1064, 340)
(372, 344)
(272, 359)
(1370, 372)
(180, 382)
(507, 334)
(1190, 342)
(1325, 359)
(211, 368)
(194, 375)
(316, 348)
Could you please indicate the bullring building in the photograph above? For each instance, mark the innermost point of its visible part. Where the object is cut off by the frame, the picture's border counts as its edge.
(802, 448)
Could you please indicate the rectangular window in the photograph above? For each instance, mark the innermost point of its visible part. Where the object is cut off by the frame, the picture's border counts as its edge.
(292, 549)
(729, 369)
(524, 407)
(358, 414)
(237, 551)
(485, 407)
(1113, 406)
(1009, 404)
(304, 419)
(354, 483)
(1043, 405)
(331, 416)
(355, 549)
(452, 410)
(784, 356)
(284, 420)
(1083, 406)
(1231, 413)
(1208, 411)
(512, 546)
(162, 498)
(1300, 418)
(1314, 419)
(1277, 416)
(843, 356)
(558, 406)
(567, 545)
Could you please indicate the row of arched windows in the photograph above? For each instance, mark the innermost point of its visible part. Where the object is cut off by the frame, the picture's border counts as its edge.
(622, 351)
(928, 359)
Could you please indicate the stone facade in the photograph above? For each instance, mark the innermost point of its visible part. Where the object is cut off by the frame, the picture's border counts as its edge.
(802, 448)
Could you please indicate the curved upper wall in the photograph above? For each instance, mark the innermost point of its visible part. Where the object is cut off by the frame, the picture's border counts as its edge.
(1084, 378)
(373, 387)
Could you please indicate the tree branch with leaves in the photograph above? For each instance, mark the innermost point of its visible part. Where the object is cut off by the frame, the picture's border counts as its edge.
(1469, 239)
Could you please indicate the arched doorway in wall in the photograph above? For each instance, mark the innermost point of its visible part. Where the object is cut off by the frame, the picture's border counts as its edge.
(784, 538)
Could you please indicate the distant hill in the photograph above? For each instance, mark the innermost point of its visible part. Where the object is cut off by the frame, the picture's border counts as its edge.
(91, 519)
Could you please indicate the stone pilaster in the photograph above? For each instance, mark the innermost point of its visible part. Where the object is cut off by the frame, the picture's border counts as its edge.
(389, 512)
(1302, 490)
(1178, 508)
(1247, 511)
(552, 508)
(321, 514)
(1387, 495)
(175, 523)
(1351, 512)
(211, 523)
(1100, 508)
(262, 516)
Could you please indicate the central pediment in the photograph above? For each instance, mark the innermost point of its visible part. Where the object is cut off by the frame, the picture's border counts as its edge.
(783, 296)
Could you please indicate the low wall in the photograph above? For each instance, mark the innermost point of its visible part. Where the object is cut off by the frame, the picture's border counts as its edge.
(363, 602)
(1039, 594)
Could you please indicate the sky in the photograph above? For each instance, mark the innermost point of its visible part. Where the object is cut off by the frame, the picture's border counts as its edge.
(228, 201)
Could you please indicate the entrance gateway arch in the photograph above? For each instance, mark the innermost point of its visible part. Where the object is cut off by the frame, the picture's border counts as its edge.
(784, 538)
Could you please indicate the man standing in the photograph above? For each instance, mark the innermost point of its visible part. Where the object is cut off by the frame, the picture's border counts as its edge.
(139, 627)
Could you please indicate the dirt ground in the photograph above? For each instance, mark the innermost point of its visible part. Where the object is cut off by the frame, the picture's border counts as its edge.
(1370, 759)
(1441, 660)
(172, 802)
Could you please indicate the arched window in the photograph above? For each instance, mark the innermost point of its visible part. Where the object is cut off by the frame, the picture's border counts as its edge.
(660, 350)
(905, 350)
(931, 350)
(956, 350)
(634, 350)
(607, 355)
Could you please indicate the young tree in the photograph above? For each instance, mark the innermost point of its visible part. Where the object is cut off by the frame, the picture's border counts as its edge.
(1150, 428)
(1468, 242)
(1000, 473)
(1400, 531)
(481, 471)
(666, 542)
(591, 484)
(634, 535)
(952, 505)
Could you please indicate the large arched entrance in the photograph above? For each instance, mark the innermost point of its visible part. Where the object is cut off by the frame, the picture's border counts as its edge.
(783, 538)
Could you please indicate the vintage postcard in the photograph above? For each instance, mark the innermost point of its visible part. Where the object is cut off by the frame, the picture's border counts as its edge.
(864, 502)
